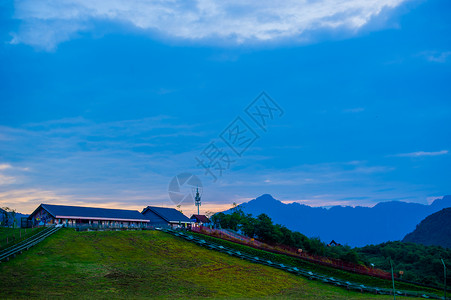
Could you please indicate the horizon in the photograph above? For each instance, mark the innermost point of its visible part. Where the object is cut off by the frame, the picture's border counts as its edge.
(228, 207)
(130, 104)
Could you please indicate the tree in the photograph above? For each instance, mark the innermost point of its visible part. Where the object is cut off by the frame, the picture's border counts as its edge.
(248, 225)
(349, 255)
(3, 216)
(266, 231)
(316, 246)
(209, 214)
(219, 220)
(301, 241)
(8, 216)
(287, 237)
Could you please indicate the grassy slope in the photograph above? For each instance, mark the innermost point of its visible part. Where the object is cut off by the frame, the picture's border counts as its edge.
(15, 235)
(363, 279)
(134, 264)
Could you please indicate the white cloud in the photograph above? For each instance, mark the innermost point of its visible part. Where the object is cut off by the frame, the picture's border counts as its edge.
(6, 180)
(422, 153)
(10, 174)
(438, 57)
(46, 23)
(5, 166)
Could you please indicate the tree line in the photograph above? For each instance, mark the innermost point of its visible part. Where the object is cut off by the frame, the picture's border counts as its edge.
(412, 262)
(263, 229)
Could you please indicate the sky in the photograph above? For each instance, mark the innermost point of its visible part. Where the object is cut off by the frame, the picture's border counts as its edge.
(105, 103)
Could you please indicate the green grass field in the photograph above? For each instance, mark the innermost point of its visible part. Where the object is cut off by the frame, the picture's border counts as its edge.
(325, 270)
(148, 264)
(11, 236)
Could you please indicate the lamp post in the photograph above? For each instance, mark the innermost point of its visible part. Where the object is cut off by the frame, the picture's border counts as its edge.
(393, 280)
(444, 273)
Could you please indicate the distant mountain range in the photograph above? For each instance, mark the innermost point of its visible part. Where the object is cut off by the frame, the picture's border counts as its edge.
(434, 230)
(355, 226)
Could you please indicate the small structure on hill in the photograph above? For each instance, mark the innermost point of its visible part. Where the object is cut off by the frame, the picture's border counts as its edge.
(200, 220)
(166, 217)
(77, 216)
(333, 244)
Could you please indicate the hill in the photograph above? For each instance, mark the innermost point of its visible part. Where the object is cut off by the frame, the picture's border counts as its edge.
(419, 263)
(434, 230)
(148, 264)
(355, 226)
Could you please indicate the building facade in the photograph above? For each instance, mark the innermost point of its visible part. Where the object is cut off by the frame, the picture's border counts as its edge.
(200, 220)
(166, 217)
(77, 216)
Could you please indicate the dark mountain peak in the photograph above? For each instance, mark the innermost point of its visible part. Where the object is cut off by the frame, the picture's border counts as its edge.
(444, 202)
(389, 203)
(433, 230)
(395, 205)
(265, 199)
(264, 202)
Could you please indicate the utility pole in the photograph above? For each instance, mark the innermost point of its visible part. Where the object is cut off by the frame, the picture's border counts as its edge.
(393, 280)
(444, 273)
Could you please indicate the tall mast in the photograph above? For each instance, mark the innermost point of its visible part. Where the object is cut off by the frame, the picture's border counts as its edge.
(197, 200)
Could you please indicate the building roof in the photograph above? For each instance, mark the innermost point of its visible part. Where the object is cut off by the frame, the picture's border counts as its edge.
(92, 213)
(170, 215)
(201, 218)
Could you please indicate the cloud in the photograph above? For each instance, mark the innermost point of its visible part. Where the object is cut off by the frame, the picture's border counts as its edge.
(5, 166)
(10, 174)
(437, 57)
(354, 110)
(422, 153)
(125, 164)
(76, 161)
(6, 180)
(47, 23)
(431, 199)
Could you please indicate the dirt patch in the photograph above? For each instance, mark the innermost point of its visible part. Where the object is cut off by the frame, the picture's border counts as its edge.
(117, 274)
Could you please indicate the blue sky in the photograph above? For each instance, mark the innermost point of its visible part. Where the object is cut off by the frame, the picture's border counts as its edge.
(104, 103)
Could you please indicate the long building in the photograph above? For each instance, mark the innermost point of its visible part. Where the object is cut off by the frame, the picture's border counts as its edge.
(77, 216)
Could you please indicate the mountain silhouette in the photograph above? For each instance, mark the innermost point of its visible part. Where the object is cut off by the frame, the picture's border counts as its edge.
(434, 230)
(355, 226)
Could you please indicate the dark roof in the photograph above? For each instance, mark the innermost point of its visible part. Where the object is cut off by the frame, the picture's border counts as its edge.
(168, 214)
(61, 211)
(201, 218)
